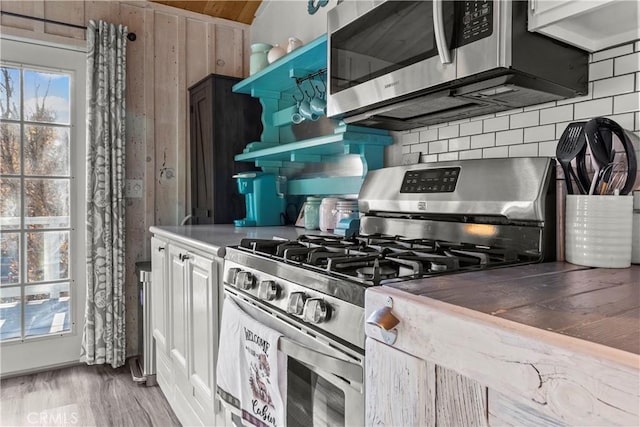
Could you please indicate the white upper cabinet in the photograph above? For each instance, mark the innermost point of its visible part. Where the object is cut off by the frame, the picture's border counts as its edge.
(589, 24)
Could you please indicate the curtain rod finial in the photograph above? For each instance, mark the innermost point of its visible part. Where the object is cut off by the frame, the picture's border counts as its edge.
(131, 37)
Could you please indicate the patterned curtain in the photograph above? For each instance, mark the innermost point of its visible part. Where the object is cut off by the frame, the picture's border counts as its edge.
(103, 339)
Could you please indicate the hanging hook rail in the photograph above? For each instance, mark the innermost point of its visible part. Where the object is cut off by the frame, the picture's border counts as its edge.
(310, 76)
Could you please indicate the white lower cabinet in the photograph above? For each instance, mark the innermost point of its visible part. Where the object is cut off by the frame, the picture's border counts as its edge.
(186, 292)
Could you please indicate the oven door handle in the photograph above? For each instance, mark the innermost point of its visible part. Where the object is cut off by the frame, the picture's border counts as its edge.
(341, 368)
(438, 27)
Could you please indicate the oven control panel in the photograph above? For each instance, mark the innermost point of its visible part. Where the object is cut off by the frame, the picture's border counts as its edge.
(297, 301)
(430, 180)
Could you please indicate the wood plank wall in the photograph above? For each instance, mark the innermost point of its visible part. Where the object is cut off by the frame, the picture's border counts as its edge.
(173, 50)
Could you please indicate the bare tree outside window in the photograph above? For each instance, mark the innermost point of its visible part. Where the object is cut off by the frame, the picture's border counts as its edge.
(35, 182)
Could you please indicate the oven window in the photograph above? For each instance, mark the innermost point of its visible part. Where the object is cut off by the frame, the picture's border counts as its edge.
(312, 400)
(393, 35)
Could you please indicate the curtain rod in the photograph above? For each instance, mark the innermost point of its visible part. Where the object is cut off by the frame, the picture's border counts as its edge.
(130, 36)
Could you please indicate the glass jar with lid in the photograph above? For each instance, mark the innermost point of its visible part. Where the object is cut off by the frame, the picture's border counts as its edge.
(312, 213)
(327, 213)
(346, 208)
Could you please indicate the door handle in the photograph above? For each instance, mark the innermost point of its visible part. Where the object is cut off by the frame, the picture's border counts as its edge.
(438, 27)
(339, 367)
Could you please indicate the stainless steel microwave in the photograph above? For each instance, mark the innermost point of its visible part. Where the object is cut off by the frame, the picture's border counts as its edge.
(404, 64)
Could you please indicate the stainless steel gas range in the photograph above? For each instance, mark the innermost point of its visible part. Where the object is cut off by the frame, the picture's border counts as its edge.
(419, 221)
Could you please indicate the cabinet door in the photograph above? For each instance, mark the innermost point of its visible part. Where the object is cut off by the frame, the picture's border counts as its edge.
(399, 388)
(404, 390)
(203, 332)
(178, 307)
(158, 297)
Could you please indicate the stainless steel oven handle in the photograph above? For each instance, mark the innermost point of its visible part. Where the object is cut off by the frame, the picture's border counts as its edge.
(438, 27)
(341, 368)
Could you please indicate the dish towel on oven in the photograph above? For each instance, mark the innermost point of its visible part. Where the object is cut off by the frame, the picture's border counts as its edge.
(251, 372)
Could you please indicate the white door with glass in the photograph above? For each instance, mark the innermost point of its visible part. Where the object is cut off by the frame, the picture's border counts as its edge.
(42, 205)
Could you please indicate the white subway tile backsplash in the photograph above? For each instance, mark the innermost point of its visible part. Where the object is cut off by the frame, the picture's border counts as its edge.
(495, 152)
(638, 82)
(521, 120)
(420, 148)
(626, 103)
(429, 135)
(497, 123)
(597, 107)
(446, 157)
(510, 137)
(483, 117)
(627, 64)
(439, 125)
(637, 46)
(556, 114)
(539, 133)
(457, 122)
(523, 150)
(538, 107)
(547, 148)
(637, 127)
(625, 120)
(601, 70)
(612, 53)
(406, 149)
(471, 128)
(429, 158)
(614, 86)
(509, 112)
(483, 140)
(470, 154)
(438, 147)
(462, 143)
(449, 132)
(409, 138)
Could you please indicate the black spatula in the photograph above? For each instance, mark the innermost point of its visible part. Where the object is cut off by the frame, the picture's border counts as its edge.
(571, 143)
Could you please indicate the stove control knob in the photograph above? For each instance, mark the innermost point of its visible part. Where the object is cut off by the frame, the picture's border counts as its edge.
(296, 303)
(316, 310)
(268, 290)
(230, 275)
(244, 280)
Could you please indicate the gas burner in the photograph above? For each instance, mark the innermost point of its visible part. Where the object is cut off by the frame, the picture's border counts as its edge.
(375, 271)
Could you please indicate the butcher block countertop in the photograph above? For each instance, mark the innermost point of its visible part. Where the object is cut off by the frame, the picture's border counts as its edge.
(594, 304)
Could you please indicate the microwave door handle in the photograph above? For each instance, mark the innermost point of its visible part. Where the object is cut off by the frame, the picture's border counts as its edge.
(438, 26)
(341, 368)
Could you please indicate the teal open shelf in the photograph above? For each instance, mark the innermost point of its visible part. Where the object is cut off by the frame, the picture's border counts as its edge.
(319, 149)
(280, 76)
(279, 148)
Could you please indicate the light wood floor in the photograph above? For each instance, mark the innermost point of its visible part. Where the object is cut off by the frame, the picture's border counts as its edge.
(82, 396)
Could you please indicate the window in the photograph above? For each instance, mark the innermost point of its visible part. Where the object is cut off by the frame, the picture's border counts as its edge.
(36, 182)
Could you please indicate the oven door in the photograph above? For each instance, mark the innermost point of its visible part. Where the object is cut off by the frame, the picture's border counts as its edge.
(324, 382)
(383, 52)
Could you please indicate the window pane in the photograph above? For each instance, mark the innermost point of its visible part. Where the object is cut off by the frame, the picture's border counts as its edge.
(9, 93)
(9, 203)
(9, 148)
(46, 203)
(47, 256)
(9, 258)
(46, 97)
(10, 314)
(46, 309)
(46, 151)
